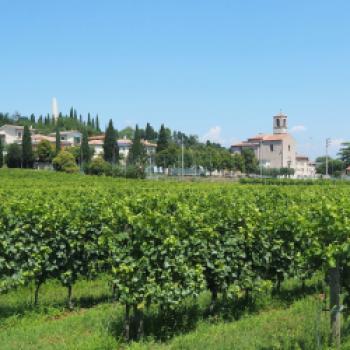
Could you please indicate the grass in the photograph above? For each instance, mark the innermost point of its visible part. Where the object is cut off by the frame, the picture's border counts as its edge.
(277, 322)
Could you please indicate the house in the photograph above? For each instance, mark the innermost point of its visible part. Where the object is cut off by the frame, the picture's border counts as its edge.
(124, 145)
(12, 134)
(69, 138)
(304, 168)
(277, 150)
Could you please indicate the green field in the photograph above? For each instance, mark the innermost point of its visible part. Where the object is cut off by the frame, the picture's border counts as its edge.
(127, 264)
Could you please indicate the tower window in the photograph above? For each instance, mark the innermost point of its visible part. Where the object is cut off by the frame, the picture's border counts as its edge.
(271, 147)
(289, 148)
(284, 122)
(278, 123)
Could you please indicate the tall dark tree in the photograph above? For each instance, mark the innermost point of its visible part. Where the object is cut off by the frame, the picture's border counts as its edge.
(110, 145)
(93, 122)
(1, 154)
(344, 153)
(27, 149)
(163, 139)
(85, 149)
(75, 115)
(32, 118)
(89, 120)
(58, 141)
(137, 154)
(13, 156)
(71, 113)
(150, 134)
(97, 123)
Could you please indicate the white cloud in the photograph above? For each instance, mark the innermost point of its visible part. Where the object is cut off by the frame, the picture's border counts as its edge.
(213, 135)
(298, 128)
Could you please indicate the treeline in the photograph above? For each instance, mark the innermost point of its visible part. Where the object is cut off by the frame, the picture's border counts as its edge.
(161, 246)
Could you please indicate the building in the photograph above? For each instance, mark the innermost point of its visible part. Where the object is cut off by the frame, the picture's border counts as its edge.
(69, 138)
(124, 145)
(12, 134)
(277, 150)
(304, 168)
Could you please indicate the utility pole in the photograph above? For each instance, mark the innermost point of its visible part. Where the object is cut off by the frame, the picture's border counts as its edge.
(328, 142)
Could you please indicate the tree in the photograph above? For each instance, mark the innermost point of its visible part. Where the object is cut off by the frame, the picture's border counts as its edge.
(97, 123)
(27, 149)
(344, 153)
(335, 166)
(137, 154)
(58, 141)
(163, 139)
(85, 149)
(89, 120)
(168, 157)
(150, 133)
(110, 146)
(14, 156)
(65, 161)
(249, 160)
(45, 151)
(1, 154)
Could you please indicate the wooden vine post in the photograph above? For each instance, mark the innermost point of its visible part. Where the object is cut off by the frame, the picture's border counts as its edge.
(334, 285)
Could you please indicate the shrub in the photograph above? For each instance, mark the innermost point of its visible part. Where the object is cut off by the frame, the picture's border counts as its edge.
(14, 156)
(98, 166)
(65, 161)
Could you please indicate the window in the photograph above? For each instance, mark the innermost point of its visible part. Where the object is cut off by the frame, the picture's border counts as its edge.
(289, 148)
(284, 122)
(63, 138)
(19, 134)
(278, 123)
(271, 147)
(76, 139)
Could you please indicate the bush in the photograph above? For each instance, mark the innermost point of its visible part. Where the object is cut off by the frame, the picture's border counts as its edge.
(98, 166)
(14, 156)
(135, 172)
(65, 161)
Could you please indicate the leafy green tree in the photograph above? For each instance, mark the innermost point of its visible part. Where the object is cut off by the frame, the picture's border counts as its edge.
(14, 156)
(169, 156)
(85, 149)
(110, 145)
(163, 139)
(335, 166)
(65, 162)
(45, 151)
(344, 153)
(137, 154)
(249, 160)
(58, 141)
(27, 149)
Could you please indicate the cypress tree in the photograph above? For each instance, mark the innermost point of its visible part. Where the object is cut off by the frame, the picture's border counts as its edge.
(27, 149)
(163, 141)
(137, 154)
(1, 154)
(89, 120)
(149, 132)
(75, 115)
(93, 122)
(97, 123)
(32, 119)
(71, 113)
(58, 141)
(85, 149)
(110, 146)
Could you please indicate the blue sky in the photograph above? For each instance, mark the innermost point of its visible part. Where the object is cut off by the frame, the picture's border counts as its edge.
(219, 69)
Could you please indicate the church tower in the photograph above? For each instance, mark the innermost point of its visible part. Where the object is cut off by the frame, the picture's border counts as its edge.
(280, 125)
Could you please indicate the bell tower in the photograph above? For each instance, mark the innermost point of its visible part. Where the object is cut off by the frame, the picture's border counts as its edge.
(280, 124)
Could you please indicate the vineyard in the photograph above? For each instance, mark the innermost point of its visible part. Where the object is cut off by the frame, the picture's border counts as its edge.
(160, 244)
